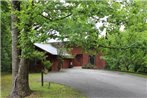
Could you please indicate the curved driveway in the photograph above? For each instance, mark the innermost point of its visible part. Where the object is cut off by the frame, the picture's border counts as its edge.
(100, 83)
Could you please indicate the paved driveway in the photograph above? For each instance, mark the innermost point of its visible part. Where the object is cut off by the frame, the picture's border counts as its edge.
(100, 83)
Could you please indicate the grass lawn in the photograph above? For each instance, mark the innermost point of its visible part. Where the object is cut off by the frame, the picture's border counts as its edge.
(54, 91)
(137, 74)
(144, 75)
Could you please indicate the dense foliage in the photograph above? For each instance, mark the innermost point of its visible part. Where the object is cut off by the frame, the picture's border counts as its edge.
(6, 37)
(76, 21)
(127, 50)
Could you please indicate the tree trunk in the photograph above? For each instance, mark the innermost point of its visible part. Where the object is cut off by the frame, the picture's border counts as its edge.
(21, 83)
(14, 30)
(19, 67)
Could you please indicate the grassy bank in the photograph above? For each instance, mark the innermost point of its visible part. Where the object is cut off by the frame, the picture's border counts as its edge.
(54, 91)
(137, 74)
(144, 75)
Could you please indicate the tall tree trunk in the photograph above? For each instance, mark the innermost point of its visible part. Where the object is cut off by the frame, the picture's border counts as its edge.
(21, 84)
(14, 30)
(19, 67)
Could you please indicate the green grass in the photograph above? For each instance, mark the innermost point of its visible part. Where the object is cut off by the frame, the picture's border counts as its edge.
(54, 91)
(137, 74)
(144, 75)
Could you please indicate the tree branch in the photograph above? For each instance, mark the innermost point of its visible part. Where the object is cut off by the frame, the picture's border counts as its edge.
(122, 48)
(63, 17)
(56, 19)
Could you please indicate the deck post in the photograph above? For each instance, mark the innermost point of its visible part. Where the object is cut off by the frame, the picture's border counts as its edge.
(42, 81)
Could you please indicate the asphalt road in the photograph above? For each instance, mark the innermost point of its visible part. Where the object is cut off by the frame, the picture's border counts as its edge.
(100, 83)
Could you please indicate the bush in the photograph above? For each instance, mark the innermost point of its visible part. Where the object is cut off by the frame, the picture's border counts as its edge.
(88, 66)
(130, 53)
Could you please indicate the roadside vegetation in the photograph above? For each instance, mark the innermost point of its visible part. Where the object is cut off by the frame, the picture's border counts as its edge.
(126, 50)
(131, 54)
(143, 75)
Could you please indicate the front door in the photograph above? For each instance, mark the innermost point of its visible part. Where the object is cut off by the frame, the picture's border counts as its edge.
(78, 60)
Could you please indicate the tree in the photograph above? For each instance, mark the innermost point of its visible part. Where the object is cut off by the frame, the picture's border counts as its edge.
(19, 66)
(6, 37)
(126, 50)
(15, 33)
(26, 19)
(129, 45)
